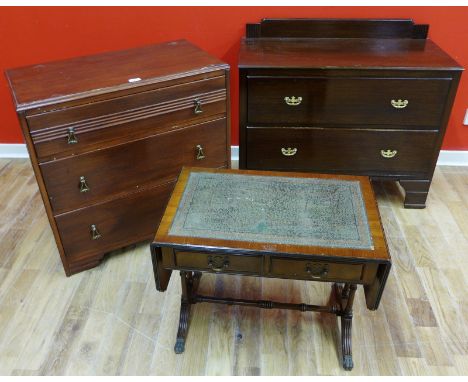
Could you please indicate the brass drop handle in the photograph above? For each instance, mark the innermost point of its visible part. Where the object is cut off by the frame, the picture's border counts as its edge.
(317, 270)
(399, 104)
(198, 109)
(288, 152)
(95, 234)
(83, 184)
(200, 154)
(218, 263)
(293, 101)
(71, 137)
(388, 153)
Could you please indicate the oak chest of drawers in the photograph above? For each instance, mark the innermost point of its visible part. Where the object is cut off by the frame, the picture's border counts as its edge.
(108, 134)
(364, 97)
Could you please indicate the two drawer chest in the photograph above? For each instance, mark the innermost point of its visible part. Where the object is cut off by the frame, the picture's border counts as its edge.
(108, 134)
(364, 97)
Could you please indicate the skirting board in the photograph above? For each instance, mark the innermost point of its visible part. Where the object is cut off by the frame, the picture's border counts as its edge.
(13, 150)
(446, 157)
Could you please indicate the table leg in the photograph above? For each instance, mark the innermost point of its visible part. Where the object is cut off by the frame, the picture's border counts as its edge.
(346, 326)
(189, 282)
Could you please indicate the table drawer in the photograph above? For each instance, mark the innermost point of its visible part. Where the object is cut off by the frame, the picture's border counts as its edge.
(316, 270)
(291, 101)
(118, 223)
(338, 150)
(91, 126)
(219, 262)
(85, 179)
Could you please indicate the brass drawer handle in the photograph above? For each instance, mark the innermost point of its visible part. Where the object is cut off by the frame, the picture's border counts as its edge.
(388, 153)
(71, 137)
(399, 104)
(83, 184)
(198, 109)
(95, 234)
(317, 270)
(293, 101)
(200, 153)
(218, 263)
(288, 152)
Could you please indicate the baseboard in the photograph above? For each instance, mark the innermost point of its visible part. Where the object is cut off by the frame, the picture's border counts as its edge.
(446, 157)
(453, 158)
(234, 153)
(13, 150)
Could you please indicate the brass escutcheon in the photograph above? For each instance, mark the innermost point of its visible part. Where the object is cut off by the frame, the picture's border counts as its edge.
(293, 101)
(316, 270)
(71, 137)
(399, 104)
(83, 184)
(388, 153)
(198, 108)
(95, 234)
(200, 153)
(218, 263)
(288, 152)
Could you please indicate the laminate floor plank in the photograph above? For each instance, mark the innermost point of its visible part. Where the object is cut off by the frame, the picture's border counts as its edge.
(301, 350)
(36, 348)
(21, 325)
(448, 314)
(164, 361)
(67, 336)
(220, 355)
(273, 335)
(248, 326)
(195, 362)
(111, 320)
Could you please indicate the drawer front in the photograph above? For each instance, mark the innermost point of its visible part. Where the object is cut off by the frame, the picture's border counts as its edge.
(218, 262)
(85, 179)
(117, 223)
(367, 152)
(348, 101)
(84, 128)
(316, 270)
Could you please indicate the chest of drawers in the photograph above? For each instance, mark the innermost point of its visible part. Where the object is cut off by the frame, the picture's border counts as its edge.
(108, 134)
(364, 97)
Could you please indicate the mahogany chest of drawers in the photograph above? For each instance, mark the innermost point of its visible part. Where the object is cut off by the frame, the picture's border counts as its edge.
(108, 134)
(364, 97)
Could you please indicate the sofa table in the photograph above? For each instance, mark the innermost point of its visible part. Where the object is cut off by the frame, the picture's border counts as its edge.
(298, 226)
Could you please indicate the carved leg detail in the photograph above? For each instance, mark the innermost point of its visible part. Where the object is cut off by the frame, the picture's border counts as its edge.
(346, 325)
(345, 293)
(183, 327)
(190, 281)
(345, 296)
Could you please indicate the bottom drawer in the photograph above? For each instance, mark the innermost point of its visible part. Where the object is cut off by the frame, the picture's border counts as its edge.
(316, 270)
(354, 151)
(218, 262)
(118, 222)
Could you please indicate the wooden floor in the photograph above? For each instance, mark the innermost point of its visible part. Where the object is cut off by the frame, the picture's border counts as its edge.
(111, 320)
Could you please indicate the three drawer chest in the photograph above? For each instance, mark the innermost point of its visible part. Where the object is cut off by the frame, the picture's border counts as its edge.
(363, 97)
(108, 134)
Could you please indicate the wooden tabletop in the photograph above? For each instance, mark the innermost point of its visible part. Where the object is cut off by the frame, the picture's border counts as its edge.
(81, 77)
(378, 252)
(344, 53)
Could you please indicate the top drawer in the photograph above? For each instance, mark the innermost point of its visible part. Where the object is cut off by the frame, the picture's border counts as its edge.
(85, 127)
(293, 101)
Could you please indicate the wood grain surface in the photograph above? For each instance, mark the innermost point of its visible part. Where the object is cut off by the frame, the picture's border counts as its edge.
(110, 320)
(343, 52)
(71, 79)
